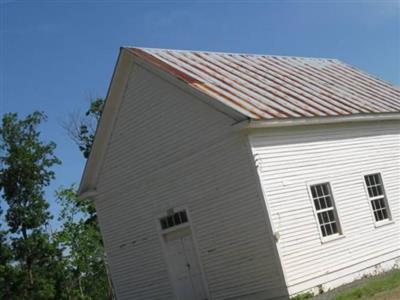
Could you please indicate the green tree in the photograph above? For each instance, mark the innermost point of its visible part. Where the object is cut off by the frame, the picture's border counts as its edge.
(81, 233)
(84, 248)
(6, 268)
(82, 129)
(29, 257)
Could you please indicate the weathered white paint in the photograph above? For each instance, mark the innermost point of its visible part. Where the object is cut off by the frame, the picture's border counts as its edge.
(162, 145)
(183, 263)
(289, 159)
(168, 149)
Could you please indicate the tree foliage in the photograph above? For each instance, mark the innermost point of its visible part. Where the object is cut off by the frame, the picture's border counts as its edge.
(85, 252)
(81, 129)
(80, 233)
(69, 263)
(29, 255)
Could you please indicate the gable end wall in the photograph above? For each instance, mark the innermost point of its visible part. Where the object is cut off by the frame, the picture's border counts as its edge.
(168, 149)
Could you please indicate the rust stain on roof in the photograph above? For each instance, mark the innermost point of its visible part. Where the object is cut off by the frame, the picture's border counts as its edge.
(162, 65)
(268, 87)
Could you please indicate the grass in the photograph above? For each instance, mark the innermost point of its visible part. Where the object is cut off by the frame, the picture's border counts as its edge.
(381, 287)
(386, 286)
(303, 296)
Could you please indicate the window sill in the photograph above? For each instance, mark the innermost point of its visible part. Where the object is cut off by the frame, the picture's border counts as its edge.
(175, 228)
(332, 238)
(383, 223)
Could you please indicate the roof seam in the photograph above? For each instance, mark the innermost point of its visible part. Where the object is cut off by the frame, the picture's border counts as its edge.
(269, 86)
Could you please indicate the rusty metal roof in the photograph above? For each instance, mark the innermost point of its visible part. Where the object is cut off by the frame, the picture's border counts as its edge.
(270, 87)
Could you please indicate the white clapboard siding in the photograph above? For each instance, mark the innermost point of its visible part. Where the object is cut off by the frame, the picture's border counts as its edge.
(289, 159)
(168, 149)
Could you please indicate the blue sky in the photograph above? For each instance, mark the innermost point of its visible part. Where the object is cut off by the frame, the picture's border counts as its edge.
(56, 55)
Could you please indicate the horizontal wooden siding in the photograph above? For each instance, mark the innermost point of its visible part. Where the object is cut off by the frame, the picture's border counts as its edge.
(290, 159)
(169, 149)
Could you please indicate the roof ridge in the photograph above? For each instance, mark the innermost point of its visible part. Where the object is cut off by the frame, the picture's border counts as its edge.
(229, 53)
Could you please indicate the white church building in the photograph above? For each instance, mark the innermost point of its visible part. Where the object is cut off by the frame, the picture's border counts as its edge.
(241, 176)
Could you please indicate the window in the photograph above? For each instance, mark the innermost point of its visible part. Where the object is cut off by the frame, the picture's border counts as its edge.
(174, 219)
(376, 195)
(325, 209)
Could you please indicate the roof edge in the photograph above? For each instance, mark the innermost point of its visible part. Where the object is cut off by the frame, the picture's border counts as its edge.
(168, 73)
(255, 124)
(105, 125)
(228, 53)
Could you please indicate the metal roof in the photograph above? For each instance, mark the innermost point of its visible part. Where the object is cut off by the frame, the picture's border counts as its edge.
(270, 87)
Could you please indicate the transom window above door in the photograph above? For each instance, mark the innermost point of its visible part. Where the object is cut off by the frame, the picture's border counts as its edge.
(174, 219)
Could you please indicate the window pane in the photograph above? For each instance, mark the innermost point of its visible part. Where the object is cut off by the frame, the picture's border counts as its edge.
(378, 204)
(323, 231)
(325, 209)
(372, 179)
(328, 201)
(382, 203)
(319, 191)
(331, 215)
(314, 192)
(177, 219)
(325, 189)
(328, 229)
(326, 217)
(170, 221)
(380, 215)
(376, 190)
(385, 215)
(379, 190)
(322, 203)
(367, 180)
(370, 192)
(317, 206)
(173, 220)
(183, 216)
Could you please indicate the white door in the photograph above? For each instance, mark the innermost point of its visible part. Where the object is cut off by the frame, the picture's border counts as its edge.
(184, 267)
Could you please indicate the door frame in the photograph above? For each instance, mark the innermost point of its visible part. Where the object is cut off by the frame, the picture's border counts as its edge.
(187, 225)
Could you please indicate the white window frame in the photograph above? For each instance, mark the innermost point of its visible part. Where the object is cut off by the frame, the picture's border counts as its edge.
(340, 234)
(383, 222)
